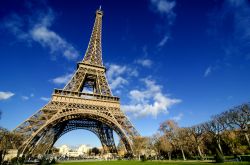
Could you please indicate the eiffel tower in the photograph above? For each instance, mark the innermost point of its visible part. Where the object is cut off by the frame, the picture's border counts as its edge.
(86, 102)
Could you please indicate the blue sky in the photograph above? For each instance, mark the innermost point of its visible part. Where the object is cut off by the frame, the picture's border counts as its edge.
(181, 60)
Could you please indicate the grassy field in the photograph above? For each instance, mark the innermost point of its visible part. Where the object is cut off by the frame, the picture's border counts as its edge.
(148, 163)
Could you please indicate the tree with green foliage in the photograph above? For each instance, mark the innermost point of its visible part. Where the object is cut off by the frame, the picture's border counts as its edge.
(95, 150)
(8, 140)
(219, 158)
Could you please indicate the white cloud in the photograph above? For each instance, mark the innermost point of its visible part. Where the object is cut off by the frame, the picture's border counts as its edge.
(37, 29)
(115, 70)
(62, 79)
(118, 82)
(166, 9)
(6, 95)
(25, 97)
(163, 41)
(115, 75)
(164, 6)
(145, 62)
(14, 24)
(137, 95)
(235, 41)
(45, 98)
(118, 92)
(236, 3)
(178, 117)
(53, 41)
(208, 71)
(132, 72)
(149, 101)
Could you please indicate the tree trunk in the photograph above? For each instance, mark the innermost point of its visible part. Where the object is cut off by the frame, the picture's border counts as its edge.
(219, 146)
(199, 150)
(183, 155)
(1, 155)
(169, 155)
(247, 138)
(233, 149)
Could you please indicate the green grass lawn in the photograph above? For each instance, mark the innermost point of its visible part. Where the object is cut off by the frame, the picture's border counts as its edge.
(147, 163)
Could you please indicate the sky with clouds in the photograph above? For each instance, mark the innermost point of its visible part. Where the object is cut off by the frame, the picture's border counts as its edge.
(165, 59)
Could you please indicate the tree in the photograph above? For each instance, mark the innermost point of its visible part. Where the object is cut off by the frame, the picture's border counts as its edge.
(197, 133)
(224, 132)
(8, 140)
(121, 149)
(54, 150)
(166, 146)
(175, 135)
(182, 140)
(219, 158)
(155, 144)
(231, 139)
(139, 144)
(240, 117)
(3, 143)
(214, 128)
(95, 150)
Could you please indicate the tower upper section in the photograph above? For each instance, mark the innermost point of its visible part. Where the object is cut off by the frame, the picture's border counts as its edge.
(93, 55)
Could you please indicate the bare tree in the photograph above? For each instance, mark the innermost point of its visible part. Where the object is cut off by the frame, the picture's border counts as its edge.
(231, 139)
(121, 148)
(197, 132)
(214, 128)
(8, 140)
(181, 138)
(166, 146)
(154, 143)
(174, 134)
(240, 117)
(3, 143)
(139, 144)
(227, 127)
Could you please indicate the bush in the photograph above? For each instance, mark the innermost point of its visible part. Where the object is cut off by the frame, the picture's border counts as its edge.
(5, 162)
(150, 157)
(143, 158)
(14, 161)
(53, 161)
(21, 160)
(245, 158)
(44, 161)
(129, 156)
(219, 158)
(17, 161)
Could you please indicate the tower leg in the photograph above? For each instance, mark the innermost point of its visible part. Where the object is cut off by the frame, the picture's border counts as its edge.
(107, 138)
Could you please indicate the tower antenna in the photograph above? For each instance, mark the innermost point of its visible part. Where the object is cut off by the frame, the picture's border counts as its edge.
(100, 7)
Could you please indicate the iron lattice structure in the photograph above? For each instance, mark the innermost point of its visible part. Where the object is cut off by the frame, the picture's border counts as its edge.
(86, 102)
